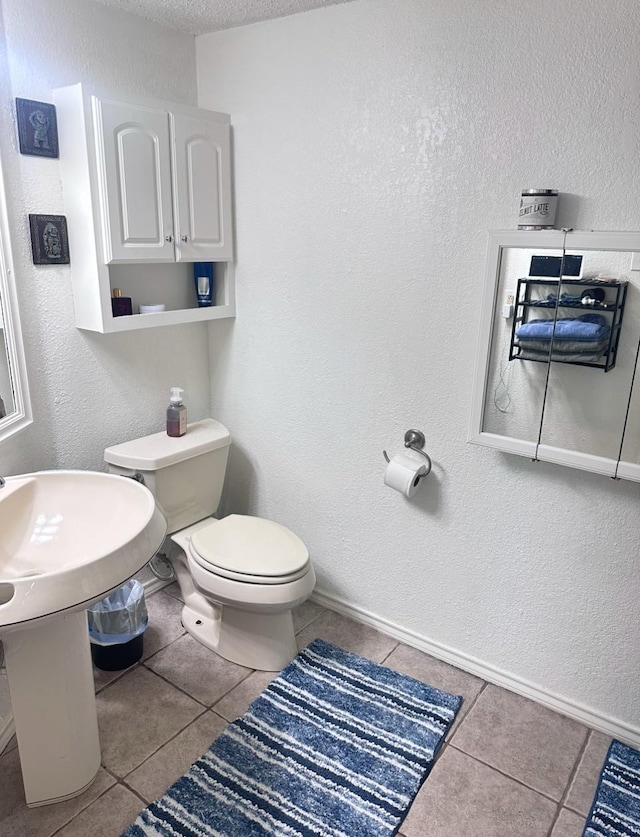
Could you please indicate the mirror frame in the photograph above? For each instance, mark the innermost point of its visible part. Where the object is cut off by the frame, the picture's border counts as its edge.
(498, 240)
(21, 416)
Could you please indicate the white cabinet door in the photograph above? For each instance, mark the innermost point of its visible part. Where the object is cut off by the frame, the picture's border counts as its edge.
(202, 188)
(134, 161)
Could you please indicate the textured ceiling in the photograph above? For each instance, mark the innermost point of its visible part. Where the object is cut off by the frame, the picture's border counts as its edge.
(199, 16)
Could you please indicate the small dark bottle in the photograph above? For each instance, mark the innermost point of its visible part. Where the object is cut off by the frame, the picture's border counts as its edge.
(176, 414)
(120, 305)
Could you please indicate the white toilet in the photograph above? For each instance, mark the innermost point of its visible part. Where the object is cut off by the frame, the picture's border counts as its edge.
(240, 576)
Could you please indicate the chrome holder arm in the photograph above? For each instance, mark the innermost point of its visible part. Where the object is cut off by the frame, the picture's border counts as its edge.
(414, 440)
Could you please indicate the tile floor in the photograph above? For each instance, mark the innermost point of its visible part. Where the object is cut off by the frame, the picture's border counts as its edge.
(510, 768)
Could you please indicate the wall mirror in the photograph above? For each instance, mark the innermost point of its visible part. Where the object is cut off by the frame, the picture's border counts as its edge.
(15, 406)
(557, 375)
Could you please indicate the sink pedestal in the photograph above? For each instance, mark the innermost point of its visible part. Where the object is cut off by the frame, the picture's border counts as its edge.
(69, 538)
(54, 707)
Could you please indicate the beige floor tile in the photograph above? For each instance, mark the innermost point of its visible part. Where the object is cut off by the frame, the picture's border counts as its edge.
(584, 784)
(16, 820)
(464, 798)
(436, 673)
(160, 771)
(12, 744)
(5, 697)
(304, 614)
(164, 623)
(173, 590)
(199, 671)
(137, 715)
(236, 702)
(107, 816)
(102, 678)
(568, 825)
(522, 739)
(349, 635)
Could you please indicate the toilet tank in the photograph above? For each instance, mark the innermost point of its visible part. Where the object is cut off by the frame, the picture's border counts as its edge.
(185, 473)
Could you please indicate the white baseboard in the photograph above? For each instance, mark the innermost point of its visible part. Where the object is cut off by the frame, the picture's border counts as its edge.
(152, 585)
(590, 717)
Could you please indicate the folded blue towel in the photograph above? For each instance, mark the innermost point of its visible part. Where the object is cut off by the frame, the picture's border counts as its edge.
(586, 327)
(564, 345)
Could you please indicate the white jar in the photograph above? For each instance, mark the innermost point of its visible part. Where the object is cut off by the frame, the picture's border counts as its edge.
(537, 209)
(152, 309)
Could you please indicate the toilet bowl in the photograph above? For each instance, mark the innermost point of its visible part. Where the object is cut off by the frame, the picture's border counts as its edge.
(239, 576)
(245, 617)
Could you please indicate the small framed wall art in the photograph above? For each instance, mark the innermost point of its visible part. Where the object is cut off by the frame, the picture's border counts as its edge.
(49, 241)
(37, 128)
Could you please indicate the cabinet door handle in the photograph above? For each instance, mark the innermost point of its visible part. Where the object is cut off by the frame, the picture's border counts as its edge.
(184, 238)
(168, 238)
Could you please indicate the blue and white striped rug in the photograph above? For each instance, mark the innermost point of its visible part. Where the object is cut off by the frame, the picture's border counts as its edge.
(616, 808)
(336, 746)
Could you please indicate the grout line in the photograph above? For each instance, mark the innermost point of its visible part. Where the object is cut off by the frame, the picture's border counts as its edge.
(123, 780)
(110, 772)
(122, 673)
(572, 775)
(453, 732)
(382, 662)
(170, 683)
(168, 645)
(157, 750)
(217, 700)
(175, 596)
(554, 821)
(311, 621)
(506, 775)
(82, 810)
(222, 718)
(124, 784)
(205, 707)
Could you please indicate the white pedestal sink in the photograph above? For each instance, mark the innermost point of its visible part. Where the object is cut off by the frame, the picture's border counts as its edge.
(67, 539)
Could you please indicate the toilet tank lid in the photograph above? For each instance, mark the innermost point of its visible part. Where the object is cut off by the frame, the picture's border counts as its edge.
(159, 450)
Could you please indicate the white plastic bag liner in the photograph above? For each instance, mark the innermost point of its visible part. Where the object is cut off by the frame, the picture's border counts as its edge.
(120, 617)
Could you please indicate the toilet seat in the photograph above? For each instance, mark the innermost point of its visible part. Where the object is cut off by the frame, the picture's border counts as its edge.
(250, 549)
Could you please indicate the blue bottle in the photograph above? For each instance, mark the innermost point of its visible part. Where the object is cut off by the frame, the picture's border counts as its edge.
(204, 278)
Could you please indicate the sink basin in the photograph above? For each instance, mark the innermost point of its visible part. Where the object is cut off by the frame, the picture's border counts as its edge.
(69, 538)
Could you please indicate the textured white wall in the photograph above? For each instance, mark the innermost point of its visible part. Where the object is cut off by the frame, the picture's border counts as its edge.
(375, 143)
(88, 390)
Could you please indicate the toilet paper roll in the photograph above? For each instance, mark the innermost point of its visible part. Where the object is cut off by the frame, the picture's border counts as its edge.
(403, 472)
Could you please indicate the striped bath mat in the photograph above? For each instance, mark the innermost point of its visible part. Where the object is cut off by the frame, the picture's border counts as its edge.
(335, 746)
(616, 809)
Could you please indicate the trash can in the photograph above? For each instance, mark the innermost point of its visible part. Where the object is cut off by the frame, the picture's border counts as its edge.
(116, 627)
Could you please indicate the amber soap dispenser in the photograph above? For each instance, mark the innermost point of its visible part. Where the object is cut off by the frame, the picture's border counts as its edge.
(176, 414)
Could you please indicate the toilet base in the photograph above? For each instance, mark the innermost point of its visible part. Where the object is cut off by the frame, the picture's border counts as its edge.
(248, 624)
(264, 641)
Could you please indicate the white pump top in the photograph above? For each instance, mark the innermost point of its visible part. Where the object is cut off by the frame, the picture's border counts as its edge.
(176, 395)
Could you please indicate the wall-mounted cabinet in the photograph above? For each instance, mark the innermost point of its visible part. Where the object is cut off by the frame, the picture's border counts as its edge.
(147, 190)
(561, 409)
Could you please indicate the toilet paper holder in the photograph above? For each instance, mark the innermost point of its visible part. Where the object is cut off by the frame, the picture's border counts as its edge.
(415, 440)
